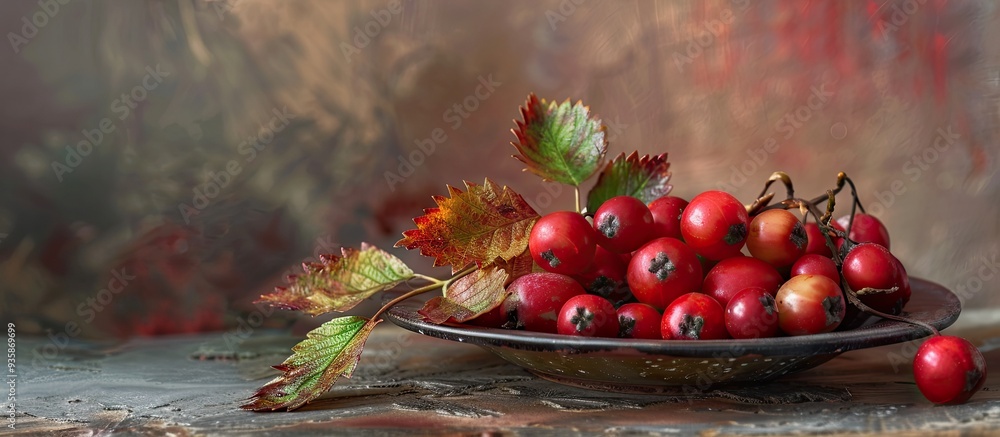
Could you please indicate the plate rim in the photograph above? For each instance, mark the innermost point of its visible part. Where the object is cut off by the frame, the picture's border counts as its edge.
(886, 332)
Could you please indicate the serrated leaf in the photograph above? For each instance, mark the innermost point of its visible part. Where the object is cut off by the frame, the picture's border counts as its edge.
(518, 266)
(644, 178)
(476, 226)
(339, 283)
(469, 297)
(560, 142)
(330, 351)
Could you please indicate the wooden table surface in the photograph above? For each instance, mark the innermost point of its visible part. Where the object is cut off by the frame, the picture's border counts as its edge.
(410, 384)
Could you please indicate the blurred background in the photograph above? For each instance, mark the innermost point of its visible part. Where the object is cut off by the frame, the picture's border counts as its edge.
(164, 163)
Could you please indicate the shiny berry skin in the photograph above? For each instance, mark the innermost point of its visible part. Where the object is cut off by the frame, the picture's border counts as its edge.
(638, 320)
(694, 316)
(866, 229)
(587, 315)
(732, 275)
(715, 225)
(494, 318)
(605, 275)
(536, 299)
(948, 369)
(662, 270)
(816, 243)
(777, 238)
(812, 264)
(810, 304)
(667, 212)
(623, 224)
(871, 265)
(752, 313)
(562, 242)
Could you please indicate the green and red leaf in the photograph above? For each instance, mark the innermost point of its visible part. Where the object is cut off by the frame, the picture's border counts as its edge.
(330, 351)
(560, 142)
(479, 225)
(646, 179)
(338, 283)
(469, 297)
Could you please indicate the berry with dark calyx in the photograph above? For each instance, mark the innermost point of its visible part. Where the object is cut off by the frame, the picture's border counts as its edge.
(816, 243)
(605, 275)
(777, 238)
(810, 304)
(948, 369)
(732, 275)
(715, 225)
(662, 270)
(623, 224)
(562, 242)
(752, 313)
(536, 299)
(638, 320)
(588, 315)
(694, 316)
(667, 212)
(870, 265)
(866, 229)
(813, 264)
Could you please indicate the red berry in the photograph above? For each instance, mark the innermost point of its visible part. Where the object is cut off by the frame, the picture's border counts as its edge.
(816, 242)
(605, 275)
(948, 369)
(732, 275)
(662, 270)
(866, 229)
(715, 225)
(623, 223)
(694, 316)
(562, 242)
(536, 299)
(871, 265)
(752, 313)
(810, 304)
(777, 238)
(812, 264)
(667, 212)
(638, 320)
(494, 318)
(587, 315)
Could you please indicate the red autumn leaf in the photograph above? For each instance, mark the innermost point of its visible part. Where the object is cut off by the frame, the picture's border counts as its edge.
(469, 297)
(644, 178)
(479, 225)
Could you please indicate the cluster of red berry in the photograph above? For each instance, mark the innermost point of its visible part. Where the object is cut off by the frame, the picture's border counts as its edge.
(636, 271)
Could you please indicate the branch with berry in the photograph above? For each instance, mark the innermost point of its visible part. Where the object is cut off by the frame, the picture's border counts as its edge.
(636, 263)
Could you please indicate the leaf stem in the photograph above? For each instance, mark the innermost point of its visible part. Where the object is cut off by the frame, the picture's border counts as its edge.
(434, 285)
(577, 190)
(430, 279)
